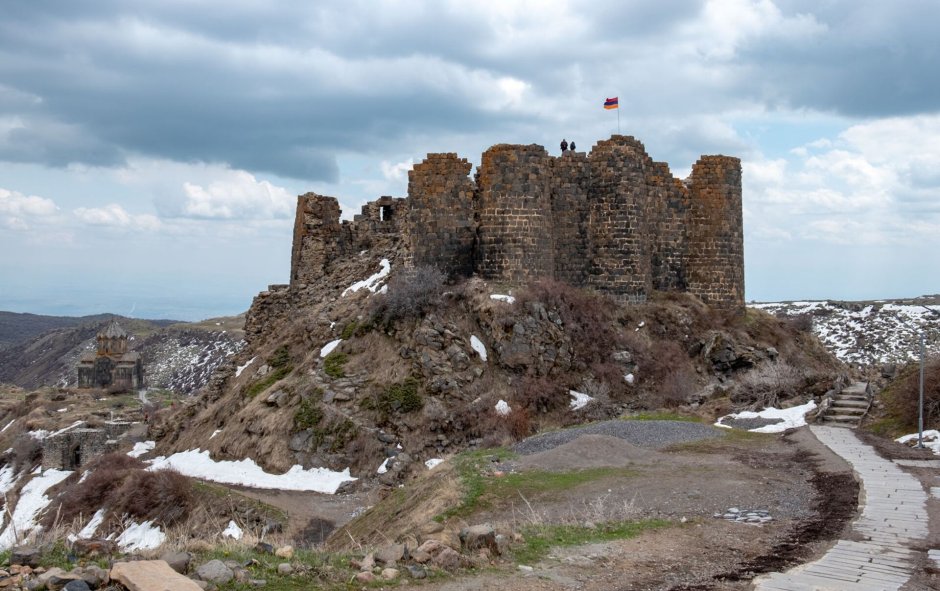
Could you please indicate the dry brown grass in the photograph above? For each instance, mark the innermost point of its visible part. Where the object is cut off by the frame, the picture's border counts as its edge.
(902, 397)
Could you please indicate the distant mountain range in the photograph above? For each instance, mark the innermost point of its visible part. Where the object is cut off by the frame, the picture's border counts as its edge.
(40, 350)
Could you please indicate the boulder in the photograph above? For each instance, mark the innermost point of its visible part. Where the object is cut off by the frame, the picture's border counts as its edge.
(284, 569)
(95, 576)
(178, 561)
(76, 585)
(479, 536)
(417, 571)
(94, 547)
(213, 571)
(151, 575)
(26, 555)
(390, 553)
(365, 577)
(264, 548)
(390, 574)
(448, 559)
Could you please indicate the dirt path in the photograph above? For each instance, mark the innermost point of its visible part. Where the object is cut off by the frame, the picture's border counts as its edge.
(803, 487)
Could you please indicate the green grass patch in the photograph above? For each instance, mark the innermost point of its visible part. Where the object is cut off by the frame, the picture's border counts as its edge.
(308, 415)
(889, 427)
(483, 490)
(661, 416)
(402, 397)
(280, 357)
(349, 330)
(540, 539)
(334, 364)
(469, 466)
(268, 380)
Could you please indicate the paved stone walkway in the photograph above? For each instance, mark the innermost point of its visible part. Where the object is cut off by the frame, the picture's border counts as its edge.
(893, 514)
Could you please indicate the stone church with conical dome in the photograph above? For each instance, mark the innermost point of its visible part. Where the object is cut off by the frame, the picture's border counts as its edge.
(112, 366)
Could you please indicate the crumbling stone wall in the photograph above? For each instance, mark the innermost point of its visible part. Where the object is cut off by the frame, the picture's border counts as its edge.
(716, 232)
(74, 448)
(612, 219)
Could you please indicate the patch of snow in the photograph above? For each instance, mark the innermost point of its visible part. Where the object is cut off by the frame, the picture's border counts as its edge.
(66, 409)
(641, 324)
(384, 289)
(7, 426)
(478, 346)
(241, 368)
(791, 417)
(197, 464)
(432, 463)
(7, 479)
(502, 408)
(931, 440)
(579, 399)
(92, 526)
(328, 348)
(141, 536)
(32, 501)
(629, 378)
(233, 531)
(503, 298)
(384, 467)
(214, 433)
(39, 434)
(372, 282)
(142, 447)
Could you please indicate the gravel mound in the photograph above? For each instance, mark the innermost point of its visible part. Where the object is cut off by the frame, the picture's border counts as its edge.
(648, 434)
(587, 451)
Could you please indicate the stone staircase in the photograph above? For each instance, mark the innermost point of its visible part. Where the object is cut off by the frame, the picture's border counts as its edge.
(848, 407)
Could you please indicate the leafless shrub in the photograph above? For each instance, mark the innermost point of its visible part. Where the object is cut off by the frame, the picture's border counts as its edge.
(768, 385)
(587, 317)
(121, 484)
(798, 322)
(541, 394)
(411, 293)
(676, 388)
(902, 397)
(27, 450)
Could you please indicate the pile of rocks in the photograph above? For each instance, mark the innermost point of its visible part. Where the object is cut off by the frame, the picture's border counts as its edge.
(748, 516)
(474, 546)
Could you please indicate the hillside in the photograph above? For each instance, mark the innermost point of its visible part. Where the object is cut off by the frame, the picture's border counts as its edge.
(177, 356)
(16, 328)
(868, 332)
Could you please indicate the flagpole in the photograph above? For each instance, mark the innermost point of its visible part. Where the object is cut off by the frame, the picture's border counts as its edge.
(618, 115)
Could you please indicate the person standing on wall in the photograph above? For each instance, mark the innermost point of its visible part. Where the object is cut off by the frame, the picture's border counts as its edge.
(564, 145)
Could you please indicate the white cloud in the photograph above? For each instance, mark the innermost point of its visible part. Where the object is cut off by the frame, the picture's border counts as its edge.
(397, 171)
(17, 211)
(240, 196)
(115, 216)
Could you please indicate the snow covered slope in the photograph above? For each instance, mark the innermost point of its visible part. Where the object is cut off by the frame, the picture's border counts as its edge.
(869, 332)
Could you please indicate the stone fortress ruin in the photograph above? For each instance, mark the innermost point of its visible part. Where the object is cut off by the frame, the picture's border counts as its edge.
(611, 219)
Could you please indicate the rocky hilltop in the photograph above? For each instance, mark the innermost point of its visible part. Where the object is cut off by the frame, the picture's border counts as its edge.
(370, 358)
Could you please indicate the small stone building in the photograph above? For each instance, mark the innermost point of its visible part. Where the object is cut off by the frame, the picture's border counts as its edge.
(76, 445)
(112, 365)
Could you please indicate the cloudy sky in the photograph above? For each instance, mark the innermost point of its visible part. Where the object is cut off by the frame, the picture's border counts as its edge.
(151, 151)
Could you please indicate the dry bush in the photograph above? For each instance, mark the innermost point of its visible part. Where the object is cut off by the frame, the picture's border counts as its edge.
(26, 451)
(902, 397)
(120, 483)
(497, 430)
(164, 496)
(411, 293)
(798, 322)
(587, 317)
(676, 388)
(541, 394)
(768, 385)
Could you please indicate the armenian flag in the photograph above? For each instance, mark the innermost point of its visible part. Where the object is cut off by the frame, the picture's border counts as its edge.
(612, 103)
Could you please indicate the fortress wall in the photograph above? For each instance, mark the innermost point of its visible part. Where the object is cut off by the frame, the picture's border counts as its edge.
(441, 213)
(716, 232)
(668, 216)
(516, 233)
(617, 228)
(317, 237)
(571, 180)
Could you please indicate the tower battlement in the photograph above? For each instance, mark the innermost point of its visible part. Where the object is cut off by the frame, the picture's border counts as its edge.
(611, 219)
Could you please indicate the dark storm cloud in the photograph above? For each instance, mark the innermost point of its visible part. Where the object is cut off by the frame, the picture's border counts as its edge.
(874, 59)
(286, 87)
